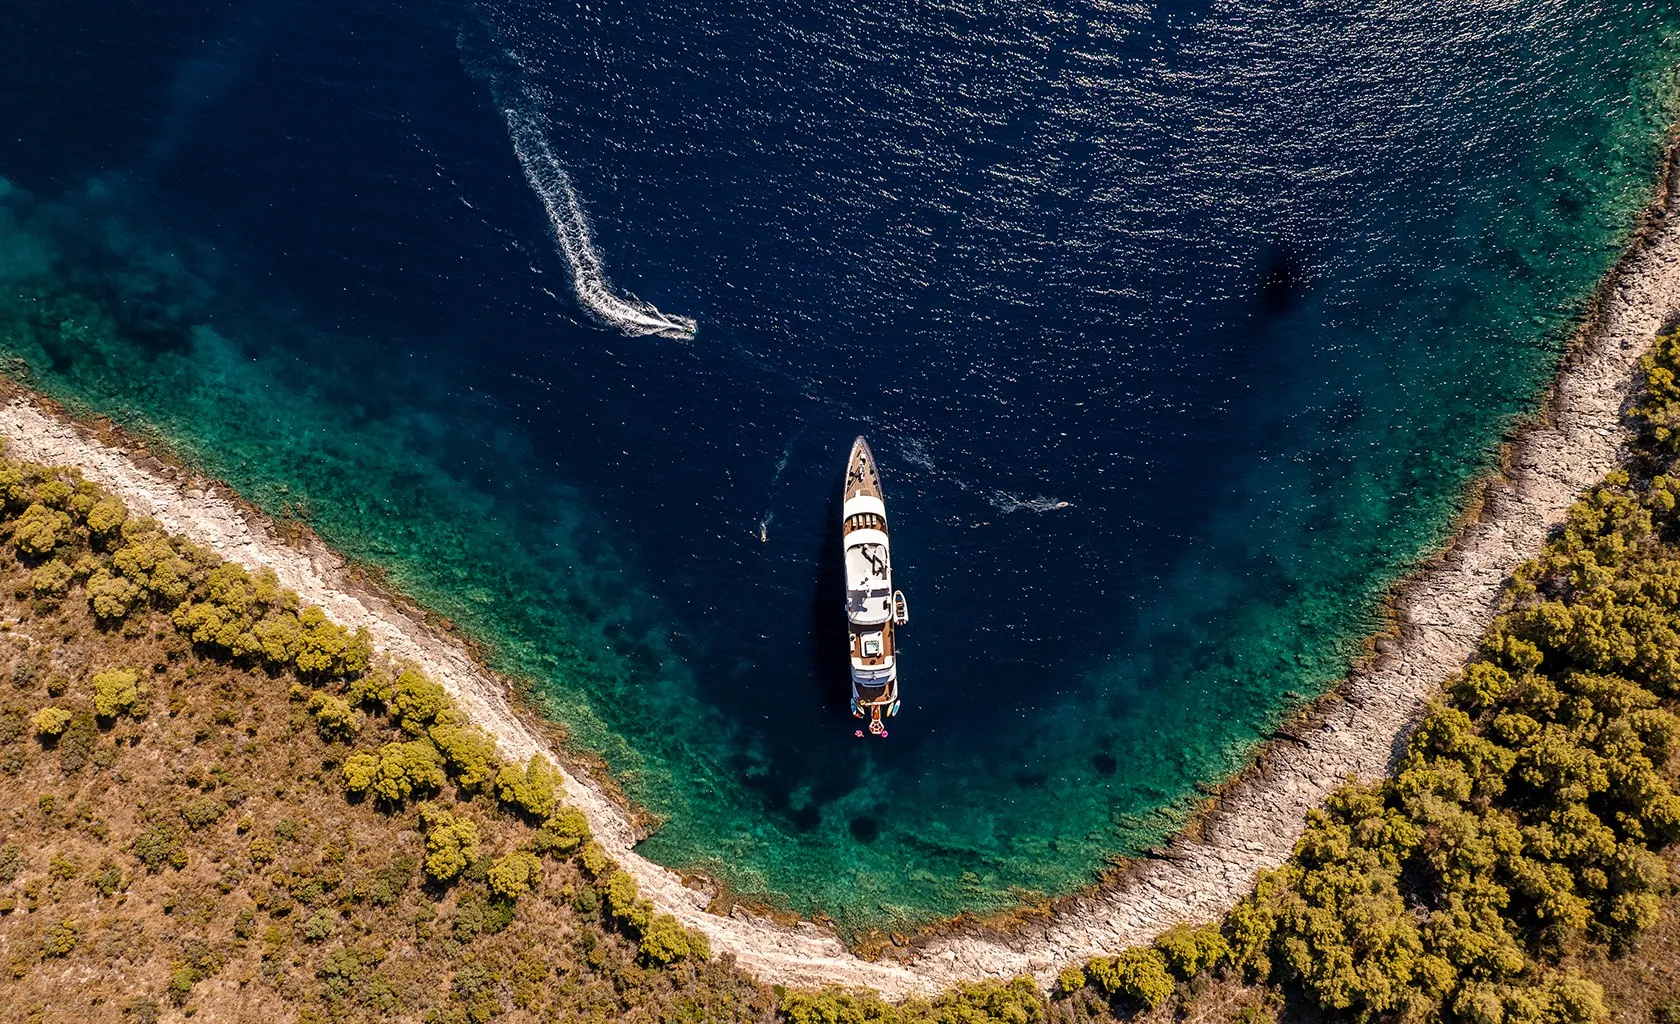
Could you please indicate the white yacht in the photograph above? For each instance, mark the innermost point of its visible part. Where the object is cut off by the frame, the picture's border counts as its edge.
(873, 609)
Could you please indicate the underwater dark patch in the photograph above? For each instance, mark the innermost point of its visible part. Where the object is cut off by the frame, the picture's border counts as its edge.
(864, 830)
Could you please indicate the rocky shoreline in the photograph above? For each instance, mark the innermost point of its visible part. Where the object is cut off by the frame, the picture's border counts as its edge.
(1440, 614)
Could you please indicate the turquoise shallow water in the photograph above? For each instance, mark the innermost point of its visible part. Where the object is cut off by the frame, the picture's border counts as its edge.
(1255, 289)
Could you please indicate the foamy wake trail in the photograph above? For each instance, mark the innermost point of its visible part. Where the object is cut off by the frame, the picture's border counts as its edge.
(571, 230)
(776, 478)
(1010, 503)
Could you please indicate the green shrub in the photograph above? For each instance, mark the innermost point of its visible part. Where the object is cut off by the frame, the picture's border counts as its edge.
(40, 529)
(49, 723)
(151, 561)
(451, 843)
(1658, 413)
(1017, 1001)
(625, 904)
(836, 1005)
(1190, 951)
(514, 875)
(534, 790)
(664, 941)
(202, 811)
(59, 940)
(111, 597)
(52, 579)
(388, 883)
(396, 772)
(477, 915)
(346, 972)
(196, 962)
(1070, 980)
(105, 519)
(565, 831)
(107, 879)
(586, 900)
(1138, 975)
(416, 701)
(468, 753)
(159, 845)
(335, 719)
(76, 745)
(116, 692)
(53, 492)
(61, 867)
(371, 690)
(320, 926)
(328, 649)
(262, 851)
(594, 860)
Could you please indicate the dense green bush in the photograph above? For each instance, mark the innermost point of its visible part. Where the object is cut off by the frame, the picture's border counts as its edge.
(41, 529)
(1190, 951)
(335, 719)
(468, 752)
(1136, 975)
(159, 845)
(534, 789)
(111, 597)
(664, 941)
(107, 878)
(564, 832)
(396, 772)
(840, 1006)
(52, 579)
(415, 701)
(514, 875)
(49, 723)
(202, 811)
(594, 861)
(105, 519)
(1016, 1001)
(451, 843)
(59, 940)
(196, 961)
(116, 692)
(625, 903)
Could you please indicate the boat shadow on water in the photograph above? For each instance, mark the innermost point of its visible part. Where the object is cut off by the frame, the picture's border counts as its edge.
(826, 638)
(808, 772)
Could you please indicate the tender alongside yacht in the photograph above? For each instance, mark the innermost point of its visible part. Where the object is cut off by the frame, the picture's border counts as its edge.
(873, 608)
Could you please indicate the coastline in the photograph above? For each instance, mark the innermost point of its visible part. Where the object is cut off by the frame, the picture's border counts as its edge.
(1440, 613)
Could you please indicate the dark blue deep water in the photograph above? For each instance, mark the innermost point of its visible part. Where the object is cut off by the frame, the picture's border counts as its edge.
(1253, 288)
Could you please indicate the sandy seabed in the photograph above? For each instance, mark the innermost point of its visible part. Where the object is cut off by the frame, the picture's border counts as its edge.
(1440, 614)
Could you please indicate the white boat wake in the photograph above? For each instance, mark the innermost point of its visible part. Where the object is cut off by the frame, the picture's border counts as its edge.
(1007, 503)
(577, 243)
(487, 57)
